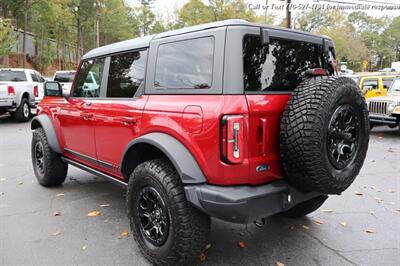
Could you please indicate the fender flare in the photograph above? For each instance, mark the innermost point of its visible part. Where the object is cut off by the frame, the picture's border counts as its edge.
(44, 122)
(183, 161)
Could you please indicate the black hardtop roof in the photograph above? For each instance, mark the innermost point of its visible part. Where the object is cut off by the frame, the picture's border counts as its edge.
(143, 42)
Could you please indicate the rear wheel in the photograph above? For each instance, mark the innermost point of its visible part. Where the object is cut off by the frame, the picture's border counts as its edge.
(49, 169)
(23, 112)
(305, 207)
(167, 228)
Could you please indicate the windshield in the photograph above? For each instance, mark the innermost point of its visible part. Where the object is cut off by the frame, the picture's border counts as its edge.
(395, 86)
(11, 75)
(64, 77)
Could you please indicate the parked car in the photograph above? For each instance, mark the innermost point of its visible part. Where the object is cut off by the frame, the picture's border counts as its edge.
(20, 90)
(375, 85)
(232, 120)
(65, 78)
(385, 110)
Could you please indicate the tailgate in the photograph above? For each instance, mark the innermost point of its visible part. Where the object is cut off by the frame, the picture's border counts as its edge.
(265, 113)
(3, 89)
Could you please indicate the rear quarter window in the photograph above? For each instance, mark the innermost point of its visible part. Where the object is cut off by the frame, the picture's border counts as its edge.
(281, 66)
(185, 64)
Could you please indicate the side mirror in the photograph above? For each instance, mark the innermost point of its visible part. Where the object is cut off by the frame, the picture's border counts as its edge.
(264, 37)
(52, 88)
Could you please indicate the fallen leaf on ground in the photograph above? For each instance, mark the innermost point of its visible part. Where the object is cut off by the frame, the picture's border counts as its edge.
(372, 212)
(326, 211)
(125, 233)
(56, 213)
(3, 179)
(392, 191)
(318, 221)
(94, 213)
(375, 188)
(390, 150)
(344, 224)
(20, 183)
(369, 231)
(305, 227)
(60, 194)
(242, 244)
(358, 193)
(56, 233)
(379, 200)
(84, 247)
(202, 257)
(208, 246)
(278, 263)
(105, 205)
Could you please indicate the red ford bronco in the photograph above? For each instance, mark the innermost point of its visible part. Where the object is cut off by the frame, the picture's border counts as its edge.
(232, 120)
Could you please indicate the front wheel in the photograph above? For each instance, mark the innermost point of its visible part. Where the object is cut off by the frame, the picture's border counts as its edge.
(49, 169)
(167, 228)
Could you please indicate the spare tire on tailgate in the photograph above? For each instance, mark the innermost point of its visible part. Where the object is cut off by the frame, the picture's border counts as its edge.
(324, 135)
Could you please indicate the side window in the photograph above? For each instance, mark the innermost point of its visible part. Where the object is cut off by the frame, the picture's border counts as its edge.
(370, 84)
(34, 77)
(281, 66)
(126, 74)
(387, 82)
(185, 64)
(88, 80)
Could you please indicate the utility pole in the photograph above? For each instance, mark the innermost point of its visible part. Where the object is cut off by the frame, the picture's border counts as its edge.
(266, 11)
(288, 14)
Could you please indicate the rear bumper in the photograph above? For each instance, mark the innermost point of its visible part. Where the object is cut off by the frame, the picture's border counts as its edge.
(245, 204)
(386, 120)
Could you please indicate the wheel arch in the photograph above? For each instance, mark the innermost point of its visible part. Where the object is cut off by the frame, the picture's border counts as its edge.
(156, 145)
(43, 121)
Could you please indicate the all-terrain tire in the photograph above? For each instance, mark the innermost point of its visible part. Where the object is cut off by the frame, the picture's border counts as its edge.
(53, 170)
(188, 227)
(306, 207)
(311, 135)
(23, 112)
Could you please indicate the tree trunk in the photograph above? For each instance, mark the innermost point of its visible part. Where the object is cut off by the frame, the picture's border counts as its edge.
(78, 41)
(24, 34)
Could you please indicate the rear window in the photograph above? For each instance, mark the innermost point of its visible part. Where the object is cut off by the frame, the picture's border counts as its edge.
(64, 77)
(370, 84)
(281, 66)
(185, 64)
(11, 75)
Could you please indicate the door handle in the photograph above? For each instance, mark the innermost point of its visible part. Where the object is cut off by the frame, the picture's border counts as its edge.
(126, 120)
(264, 136)
(87, 116)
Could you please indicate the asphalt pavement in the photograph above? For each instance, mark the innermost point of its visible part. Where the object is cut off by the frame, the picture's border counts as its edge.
(50, 226)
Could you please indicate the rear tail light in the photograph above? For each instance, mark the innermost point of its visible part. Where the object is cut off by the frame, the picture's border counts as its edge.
(232, 139)
(317, 72)
(36, 91)
(11, 91)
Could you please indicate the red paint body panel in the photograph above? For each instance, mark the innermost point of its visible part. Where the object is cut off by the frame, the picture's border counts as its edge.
(102, 128)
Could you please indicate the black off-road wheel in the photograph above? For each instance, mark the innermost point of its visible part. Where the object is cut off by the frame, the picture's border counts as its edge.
(167, 228)
(49, 169)
(23, 112)
(306, 207)
(324, 135)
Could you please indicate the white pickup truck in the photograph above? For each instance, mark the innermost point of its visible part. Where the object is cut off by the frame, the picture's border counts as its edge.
(65, 78)
(20, 90)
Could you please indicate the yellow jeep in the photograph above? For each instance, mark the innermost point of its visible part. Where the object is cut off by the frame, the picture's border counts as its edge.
(374, 86)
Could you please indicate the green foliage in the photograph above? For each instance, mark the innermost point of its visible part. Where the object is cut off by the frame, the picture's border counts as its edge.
(7, 37)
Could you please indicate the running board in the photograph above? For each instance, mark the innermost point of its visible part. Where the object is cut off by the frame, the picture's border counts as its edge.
(94, 171)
